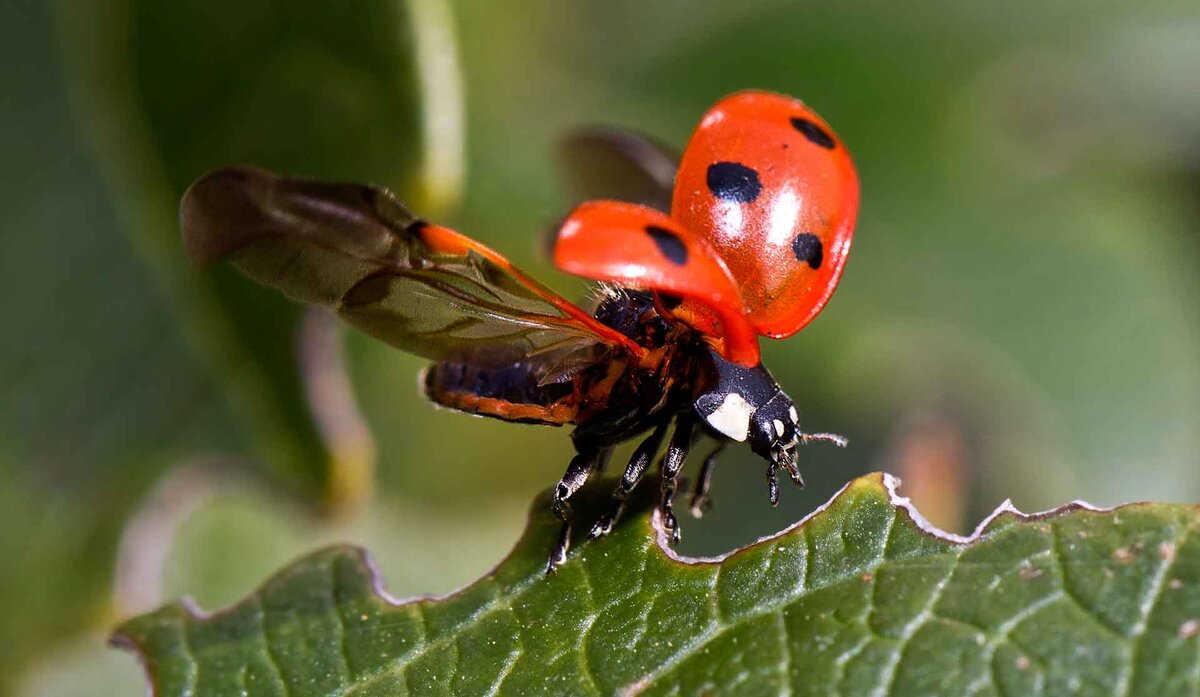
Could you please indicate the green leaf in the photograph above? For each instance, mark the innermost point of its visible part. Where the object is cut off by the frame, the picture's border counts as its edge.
(168, 91)
(861, 598)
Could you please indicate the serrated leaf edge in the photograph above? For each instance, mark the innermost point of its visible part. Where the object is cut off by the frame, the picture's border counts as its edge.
(888, 483)
(891, 485)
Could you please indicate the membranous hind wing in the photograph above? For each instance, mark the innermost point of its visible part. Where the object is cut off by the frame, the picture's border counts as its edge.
(422, 288)
(616, 164)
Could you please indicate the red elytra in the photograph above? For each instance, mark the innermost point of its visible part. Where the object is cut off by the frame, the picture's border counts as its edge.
(767, 182)
(772, 193)
(636, 246)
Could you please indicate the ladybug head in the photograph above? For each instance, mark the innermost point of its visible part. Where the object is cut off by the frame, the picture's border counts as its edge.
(746, 404)
(774, 431)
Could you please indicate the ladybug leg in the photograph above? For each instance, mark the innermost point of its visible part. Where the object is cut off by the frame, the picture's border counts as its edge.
(581, 467)
(672, 463)
(634, 471)
(773, 483)
(700, 503)
(602, 461)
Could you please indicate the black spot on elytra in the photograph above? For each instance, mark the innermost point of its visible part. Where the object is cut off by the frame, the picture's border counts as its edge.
(813, 132)
(733, 181)
(669, 244)
(808, 248)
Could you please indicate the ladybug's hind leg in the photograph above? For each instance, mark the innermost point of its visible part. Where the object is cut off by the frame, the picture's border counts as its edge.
(672, 463)
(639, 462)
(582, 465)
(699, 504)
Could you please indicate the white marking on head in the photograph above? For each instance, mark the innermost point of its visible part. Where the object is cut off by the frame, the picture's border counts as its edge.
(732, 418)
(792, 413)
(779, 428)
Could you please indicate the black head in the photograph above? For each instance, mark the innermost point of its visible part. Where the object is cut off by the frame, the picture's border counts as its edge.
(746, 404)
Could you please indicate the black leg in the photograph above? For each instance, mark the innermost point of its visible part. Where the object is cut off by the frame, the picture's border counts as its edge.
(700, 503)
(772, 483)
(634, 471)
(681, 441)
(577, 474)
(602, 461)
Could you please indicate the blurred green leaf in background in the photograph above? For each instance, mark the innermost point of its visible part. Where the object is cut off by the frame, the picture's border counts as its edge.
(1018, 318)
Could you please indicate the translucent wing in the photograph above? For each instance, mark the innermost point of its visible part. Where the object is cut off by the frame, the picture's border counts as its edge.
(422, 288)
(637, 246)
(611, 163)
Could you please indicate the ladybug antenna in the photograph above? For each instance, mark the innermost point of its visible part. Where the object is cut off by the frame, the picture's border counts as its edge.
(839, 441)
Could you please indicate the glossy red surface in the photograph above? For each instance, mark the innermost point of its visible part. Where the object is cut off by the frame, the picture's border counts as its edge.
(639, 247)
(780, 172)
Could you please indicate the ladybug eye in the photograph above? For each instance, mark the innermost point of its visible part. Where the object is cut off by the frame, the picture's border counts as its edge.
(808, 249)
(733, 181)
(813, 132)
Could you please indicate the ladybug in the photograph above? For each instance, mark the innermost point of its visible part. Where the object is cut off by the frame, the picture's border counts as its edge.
(746, 238)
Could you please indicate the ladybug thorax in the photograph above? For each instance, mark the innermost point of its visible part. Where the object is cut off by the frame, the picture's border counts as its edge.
(746, 404)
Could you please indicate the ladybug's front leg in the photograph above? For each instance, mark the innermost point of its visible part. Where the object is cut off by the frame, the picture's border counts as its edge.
(672, 463)
(773, 483)
(634, 471)
(588, 456)
(700, 503)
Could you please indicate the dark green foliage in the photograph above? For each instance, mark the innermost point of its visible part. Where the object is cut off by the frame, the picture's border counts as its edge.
(859, 599)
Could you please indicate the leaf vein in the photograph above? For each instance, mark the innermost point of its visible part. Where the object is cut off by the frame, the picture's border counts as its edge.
(268, 647)
(193, 664)
(785, 662)
(716, 629)
(585, 664)
(343, 649)
(887, 675)
(1158, 581)
(509, 663)
(1070, 594)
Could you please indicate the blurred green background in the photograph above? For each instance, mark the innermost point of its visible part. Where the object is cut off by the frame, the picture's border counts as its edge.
(1018, 320)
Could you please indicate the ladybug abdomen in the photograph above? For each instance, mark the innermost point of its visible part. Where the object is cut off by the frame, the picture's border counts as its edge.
(511, 394)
